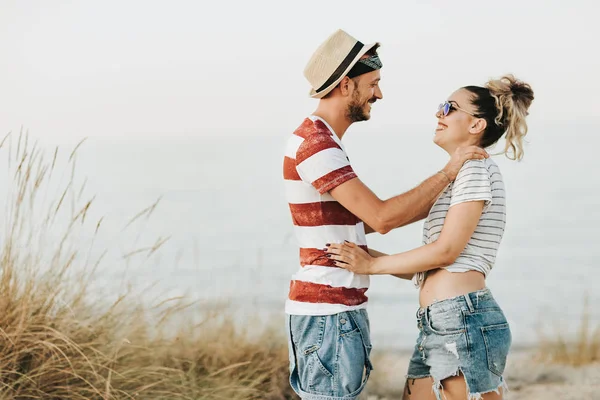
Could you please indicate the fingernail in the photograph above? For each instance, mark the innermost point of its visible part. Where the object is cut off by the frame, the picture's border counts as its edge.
(345, 241)
(328, 255)
(327, 244)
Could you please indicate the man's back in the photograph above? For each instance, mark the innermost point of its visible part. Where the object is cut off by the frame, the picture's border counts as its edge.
(314, 164)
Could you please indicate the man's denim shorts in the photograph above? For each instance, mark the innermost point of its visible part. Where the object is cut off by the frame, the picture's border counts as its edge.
(329, 355)
(467, 334)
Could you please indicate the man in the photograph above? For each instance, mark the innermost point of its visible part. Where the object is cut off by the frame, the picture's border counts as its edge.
(328, 326)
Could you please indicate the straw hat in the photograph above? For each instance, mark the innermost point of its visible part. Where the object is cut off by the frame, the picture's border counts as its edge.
(332, 61)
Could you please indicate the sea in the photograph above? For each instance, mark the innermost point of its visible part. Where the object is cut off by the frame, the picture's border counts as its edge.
(205, 216)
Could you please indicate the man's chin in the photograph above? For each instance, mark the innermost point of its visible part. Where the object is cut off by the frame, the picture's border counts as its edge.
(359, 118)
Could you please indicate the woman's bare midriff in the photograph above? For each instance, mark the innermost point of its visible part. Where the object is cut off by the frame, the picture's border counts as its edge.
(441, 285)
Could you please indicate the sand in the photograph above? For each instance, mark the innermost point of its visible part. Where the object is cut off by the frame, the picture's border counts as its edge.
(527, 379)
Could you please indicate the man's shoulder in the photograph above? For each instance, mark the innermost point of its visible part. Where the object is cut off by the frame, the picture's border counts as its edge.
(313, 129)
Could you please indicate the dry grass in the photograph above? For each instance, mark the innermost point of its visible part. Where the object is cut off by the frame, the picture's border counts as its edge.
(577, 349)
(57, 341)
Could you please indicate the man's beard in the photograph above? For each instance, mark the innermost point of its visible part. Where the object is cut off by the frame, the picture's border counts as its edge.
(356, 110)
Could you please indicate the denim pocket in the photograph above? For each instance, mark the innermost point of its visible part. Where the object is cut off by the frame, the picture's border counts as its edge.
(347, 324)
(444, 323)
(312, 338)
(320, 377)
(291, 349)
(354, 350)
(364, 329)
(497, 340)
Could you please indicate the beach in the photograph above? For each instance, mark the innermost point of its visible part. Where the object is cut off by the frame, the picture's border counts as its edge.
(126, 328)
(527, 378)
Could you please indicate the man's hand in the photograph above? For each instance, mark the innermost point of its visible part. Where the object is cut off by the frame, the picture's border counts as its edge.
(459, 157)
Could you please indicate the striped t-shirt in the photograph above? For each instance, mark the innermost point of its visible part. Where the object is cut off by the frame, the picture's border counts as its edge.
(477, 180)
(315, 163)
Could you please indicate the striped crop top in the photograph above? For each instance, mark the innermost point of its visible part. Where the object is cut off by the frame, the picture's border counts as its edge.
(477, 180)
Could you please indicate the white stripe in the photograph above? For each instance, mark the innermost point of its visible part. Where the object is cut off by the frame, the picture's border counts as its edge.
(489, 233)
(321, 164)
(299, 308)
(361, 236)
(316, 237)
(466, 263)
(489, 222)
(486, 198)
(334, 277)
(292, 146)
(300, 192)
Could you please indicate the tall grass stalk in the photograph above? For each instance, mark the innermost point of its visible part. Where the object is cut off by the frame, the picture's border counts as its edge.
(577, 349)
(58, 341)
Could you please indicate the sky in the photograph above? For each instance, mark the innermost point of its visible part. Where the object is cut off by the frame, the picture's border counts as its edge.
(156, 70)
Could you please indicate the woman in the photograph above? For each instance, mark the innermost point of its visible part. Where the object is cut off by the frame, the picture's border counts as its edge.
(464, 336)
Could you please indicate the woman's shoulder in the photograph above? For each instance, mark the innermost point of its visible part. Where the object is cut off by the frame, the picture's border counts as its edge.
(490, 163)
(474, 163)
(473, 167)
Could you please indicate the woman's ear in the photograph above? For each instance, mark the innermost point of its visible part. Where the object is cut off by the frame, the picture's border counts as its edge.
(478, 126)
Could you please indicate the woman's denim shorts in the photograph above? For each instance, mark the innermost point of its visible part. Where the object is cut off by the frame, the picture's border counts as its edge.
(468, 334)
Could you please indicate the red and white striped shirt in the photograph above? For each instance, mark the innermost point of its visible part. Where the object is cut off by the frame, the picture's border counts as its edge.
(315, 163)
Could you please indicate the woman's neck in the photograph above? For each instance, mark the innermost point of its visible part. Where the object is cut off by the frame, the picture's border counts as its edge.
(451, 147)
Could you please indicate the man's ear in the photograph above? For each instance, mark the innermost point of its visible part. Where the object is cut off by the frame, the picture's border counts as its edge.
(346, 86)
(478, 126)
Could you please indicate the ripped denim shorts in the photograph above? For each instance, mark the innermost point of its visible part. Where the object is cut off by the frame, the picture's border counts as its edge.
(467, 334)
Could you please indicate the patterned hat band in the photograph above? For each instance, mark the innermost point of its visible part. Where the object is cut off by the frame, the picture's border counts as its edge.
(365, 65)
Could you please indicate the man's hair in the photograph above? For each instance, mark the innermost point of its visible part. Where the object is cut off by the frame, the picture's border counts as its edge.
(370, 53)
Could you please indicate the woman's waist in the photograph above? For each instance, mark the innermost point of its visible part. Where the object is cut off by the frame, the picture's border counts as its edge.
(477, 301)
(442, 285)
(468, 312)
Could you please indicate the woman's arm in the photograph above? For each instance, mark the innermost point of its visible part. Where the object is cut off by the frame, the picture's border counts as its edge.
(460, 223)
(375, 253)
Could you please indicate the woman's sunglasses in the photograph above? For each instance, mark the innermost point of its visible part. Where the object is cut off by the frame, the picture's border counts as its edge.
(445, 108)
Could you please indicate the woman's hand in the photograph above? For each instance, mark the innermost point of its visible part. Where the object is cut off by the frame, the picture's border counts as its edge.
(351, 257)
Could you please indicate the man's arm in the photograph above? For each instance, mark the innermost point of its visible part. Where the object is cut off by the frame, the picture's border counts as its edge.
(419, 217)
(385, 215)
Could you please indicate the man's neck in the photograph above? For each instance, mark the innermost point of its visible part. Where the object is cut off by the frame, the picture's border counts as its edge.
(335, 118)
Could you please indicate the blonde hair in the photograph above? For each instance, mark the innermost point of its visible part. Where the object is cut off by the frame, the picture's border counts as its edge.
(504, 104)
